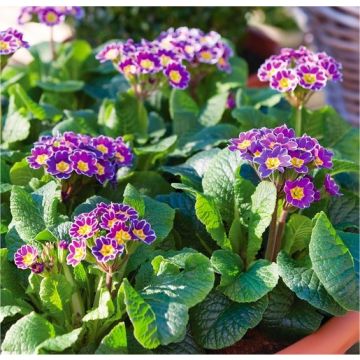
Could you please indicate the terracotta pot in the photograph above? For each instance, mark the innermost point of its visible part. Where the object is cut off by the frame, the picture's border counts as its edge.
(335, 337)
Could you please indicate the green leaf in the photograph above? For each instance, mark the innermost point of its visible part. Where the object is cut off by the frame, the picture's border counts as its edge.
(333, 264)
(22, 97)
(12, 305)
(213, 110)
(297, 233)
(208, 213)
(104, 310)
(21, 173)
(68, 86)
(250, 118)
(26, 334)
(344, 209)
(132, 115)
(351, 240)
(218, 322)
(302, 280)
(184, 112)
(218, 181)
(133, 198)
(114, 342)
(243, 287)
(258, 97)
(17, 127)
(108, 118)
(59, 343)
(237, 77)
(262, 207)
(89, 205)
(55, 294)
(287, 317)
(340, 166)
(26, 214)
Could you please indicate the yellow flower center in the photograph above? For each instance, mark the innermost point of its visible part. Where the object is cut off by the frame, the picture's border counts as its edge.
(165, 60)
(83, 166)
(175, 76)
(122, 236)
(257, 153)
(119, 156)
(139, 233)
(206, 55)
(147, 64)
(297, 193)
(111, 222)
(56, 143)
(284, 83)
(244, 144)
(111, 54)
(309, 78)
(271, 72)
(84, 229)
(222, 61)
(272, 163)
(102, 148)
(189, 49)
(62, 166)
(128, 70)
(100, 169)
(107, 250)
(4, 45)
(296, 162)
(318, 161)
(28, 259)
(51, 17)
(79, 253)
(41, 159)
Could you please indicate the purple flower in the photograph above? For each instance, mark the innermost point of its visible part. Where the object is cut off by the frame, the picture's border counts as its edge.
(26, 14)
(166, 57)
(39, 156)
(106, 249)
(110, 52)
(143, 231)
(223, 63)
(178, 76)
(272, 140)
(272, 160)
(25, 256)
(109, 219)
(284, 80)
(50, 16)
(8, 42)
(128, 67)
(322, 157)
(60, 165)
(230, 101)
(101, 209)
(37, 267)
(243, 142)
(299, 159)
(124, 212)
(104, 170)
(284, 130)
(207, 55)
(270, 68)
(306, 143)
(331, 68)
(148, 63)
(83, 227)
(123, 155)
(63, 244)
(104, 144)
(84, 162)
(299, 193)
(19, 38)
(311, 77)
(121, 233)
(77, 252)
(331, 187)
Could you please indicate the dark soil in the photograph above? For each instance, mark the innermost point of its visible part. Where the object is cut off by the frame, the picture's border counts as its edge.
(254, 342)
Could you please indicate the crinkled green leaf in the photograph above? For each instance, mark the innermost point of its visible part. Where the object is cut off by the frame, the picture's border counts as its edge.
(333, 264)
(104, 309)
(213, 110)
(26, 334)
(218, 322)
(114, 342)
(21, 173)
(262, 207)
(351, 240)
(302, 280)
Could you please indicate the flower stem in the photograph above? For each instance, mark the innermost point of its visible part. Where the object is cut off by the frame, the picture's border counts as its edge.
(280, 231)
(298, 120)
(108, 281)
(271, 244)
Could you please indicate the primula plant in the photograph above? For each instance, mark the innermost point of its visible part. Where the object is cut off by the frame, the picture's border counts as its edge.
(152, 203)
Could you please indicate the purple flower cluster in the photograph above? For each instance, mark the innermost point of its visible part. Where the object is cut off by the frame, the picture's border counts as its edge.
(27, 257)
(300, 67)
(11, 40)
(165, 56)
(64, 154)
(105, 230)
(49, 15)
(287, 160)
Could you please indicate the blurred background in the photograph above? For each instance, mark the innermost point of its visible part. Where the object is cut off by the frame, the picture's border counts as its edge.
(256, 32)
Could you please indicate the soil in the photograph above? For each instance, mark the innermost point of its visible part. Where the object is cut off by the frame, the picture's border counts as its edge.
(254, 342)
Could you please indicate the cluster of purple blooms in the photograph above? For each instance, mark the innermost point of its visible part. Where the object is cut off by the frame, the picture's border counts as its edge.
(301, 68)
(11, 40)
(105, 230)
(49, 15)
(27, 257)
(166, 56)
(273, 152)
(69, 153)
